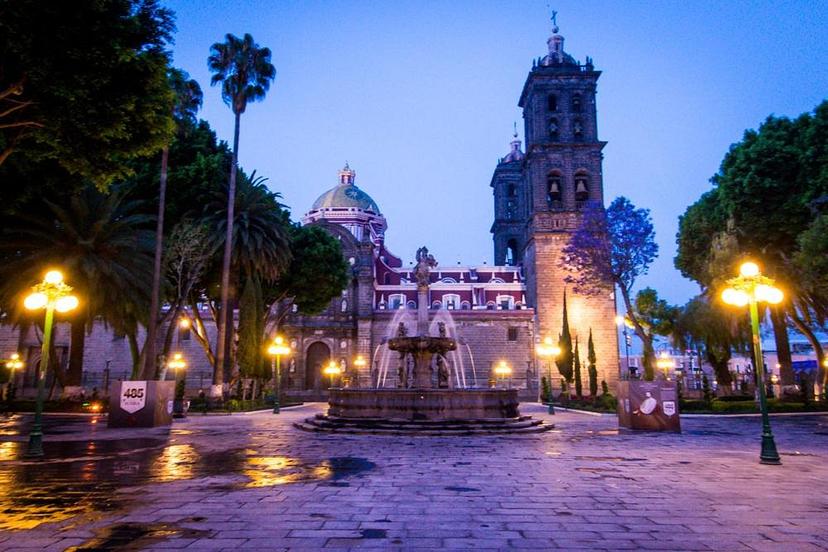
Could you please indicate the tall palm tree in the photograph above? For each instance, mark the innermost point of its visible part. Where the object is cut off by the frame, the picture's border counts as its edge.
(186, 101)
(260, 247)
(103, 243)
(245, 73)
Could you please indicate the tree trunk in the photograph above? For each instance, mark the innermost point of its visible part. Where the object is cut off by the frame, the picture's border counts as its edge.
(136, 356)
(783, 346)
(648, 353)
(152, 321)
(822, 370)
(218, 371)
(74, 375)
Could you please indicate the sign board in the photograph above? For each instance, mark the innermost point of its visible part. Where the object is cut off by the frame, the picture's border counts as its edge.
(648, 405)
(140, 403)
(133, 396)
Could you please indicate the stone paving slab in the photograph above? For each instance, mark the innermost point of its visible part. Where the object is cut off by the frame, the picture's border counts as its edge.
(253, 482)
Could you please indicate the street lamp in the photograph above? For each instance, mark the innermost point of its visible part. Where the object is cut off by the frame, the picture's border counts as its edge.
(623, 322)
(276, 350)
(178, 365)
(332, 370)
(14, 363)
(664, 363)
(503, 370)
(53, 295)
(748, 289)
(548, 351)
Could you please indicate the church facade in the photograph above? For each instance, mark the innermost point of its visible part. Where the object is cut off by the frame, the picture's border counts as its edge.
(498, 313)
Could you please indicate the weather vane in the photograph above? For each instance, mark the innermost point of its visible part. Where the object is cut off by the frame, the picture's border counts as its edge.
(515, 125)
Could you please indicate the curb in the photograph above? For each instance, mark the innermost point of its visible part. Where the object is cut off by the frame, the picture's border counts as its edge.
(587, 412)
(754, 415)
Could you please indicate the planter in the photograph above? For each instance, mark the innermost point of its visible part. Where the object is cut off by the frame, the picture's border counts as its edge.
(648, 405)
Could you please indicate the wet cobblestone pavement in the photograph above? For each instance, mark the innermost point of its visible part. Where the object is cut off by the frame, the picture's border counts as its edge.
(255, 482)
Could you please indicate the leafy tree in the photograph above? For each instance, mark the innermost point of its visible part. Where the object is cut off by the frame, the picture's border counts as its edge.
(707, 394)
(654, 316)
(102, 243)
(245, 72)
(612, 248)
(592, 370)
(251, 330)
(579, 385)
(83, 84)
(714, 332)
(784, 164)
(186, 101)
(565, 359)
(317, 273)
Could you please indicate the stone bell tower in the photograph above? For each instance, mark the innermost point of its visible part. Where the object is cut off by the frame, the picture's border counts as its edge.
(561, 174)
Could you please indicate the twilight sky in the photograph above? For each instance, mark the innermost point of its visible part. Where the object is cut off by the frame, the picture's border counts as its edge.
(420, 96)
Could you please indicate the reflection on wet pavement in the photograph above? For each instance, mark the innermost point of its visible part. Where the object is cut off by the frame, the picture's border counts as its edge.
(135, 536)
(83, 476)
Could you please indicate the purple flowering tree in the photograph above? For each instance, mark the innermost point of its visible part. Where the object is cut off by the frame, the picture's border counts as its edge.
(613, 247)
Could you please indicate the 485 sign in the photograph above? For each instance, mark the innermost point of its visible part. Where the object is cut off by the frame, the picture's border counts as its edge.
(133, 396)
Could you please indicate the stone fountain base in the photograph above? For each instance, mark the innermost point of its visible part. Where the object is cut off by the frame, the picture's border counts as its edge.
(424, 412)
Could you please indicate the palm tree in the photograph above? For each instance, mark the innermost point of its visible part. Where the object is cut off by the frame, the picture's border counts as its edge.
(261, 246)
(186, 101)
(103, 243)
(245, 72)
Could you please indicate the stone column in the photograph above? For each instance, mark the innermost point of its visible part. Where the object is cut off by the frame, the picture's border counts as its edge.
(422, 310)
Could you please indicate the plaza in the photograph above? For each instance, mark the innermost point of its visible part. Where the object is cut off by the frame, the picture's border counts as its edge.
(253, 481)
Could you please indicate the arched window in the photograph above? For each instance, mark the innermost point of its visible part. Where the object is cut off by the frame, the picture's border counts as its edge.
(511, 191)
(552, 102)
(435, 305)
(505, 302)
(465, 305)
(412, 305)
(451, 301)
(553, 128)
(510, 209)
(581, 187)
(386, 279)
(576, 103)
(554, 190)
(396, 301)
(578, 130)
(344, 305)
(512, 255)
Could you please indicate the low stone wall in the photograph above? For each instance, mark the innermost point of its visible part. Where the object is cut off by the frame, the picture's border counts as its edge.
(424, 404)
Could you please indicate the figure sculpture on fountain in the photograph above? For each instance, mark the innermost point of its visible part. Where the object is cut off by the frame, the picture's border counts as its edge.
(425, 262)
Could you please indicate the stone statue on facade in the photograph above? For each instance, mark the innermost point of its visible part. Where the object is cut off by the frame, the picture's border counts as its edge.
(402, 331)
(441, 329)
(425, 262)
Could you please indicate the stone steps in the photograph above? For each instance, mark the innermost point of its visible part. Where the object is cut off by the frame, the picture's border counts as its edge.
(378, 426)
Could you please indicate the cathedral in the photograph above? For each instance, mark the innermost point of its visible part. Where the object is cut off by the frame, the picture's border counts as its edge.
(499, 313)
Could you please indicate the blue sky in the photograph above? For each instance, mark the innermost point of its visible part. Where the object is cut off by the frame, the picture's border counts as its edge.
(420, 98)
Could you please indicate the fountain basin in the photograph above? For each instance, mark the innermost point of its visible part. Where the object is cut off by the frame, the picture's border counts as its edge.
(424, 404)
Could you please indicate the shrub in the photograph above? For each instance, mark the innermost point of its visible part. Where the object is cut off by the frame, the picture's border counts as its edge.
(546, 391)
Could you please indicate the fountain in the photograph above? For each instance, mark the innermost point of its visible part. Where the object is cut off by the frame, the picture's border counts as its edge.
(417, 405)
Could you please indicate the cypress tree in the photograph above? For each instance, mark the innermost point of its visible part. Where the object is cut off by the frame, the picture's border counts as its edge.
(564, 359)
(593, 371)
(579, 386)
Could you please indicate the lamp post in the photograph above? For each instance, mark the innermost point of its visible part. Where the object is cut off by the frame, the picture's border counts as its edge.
(178, 365)
(548, 351)
(53, 295)
(503, 370)
(276, 350)
(623, 322)
(748, 289)
(332, 370)
(14, 363)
